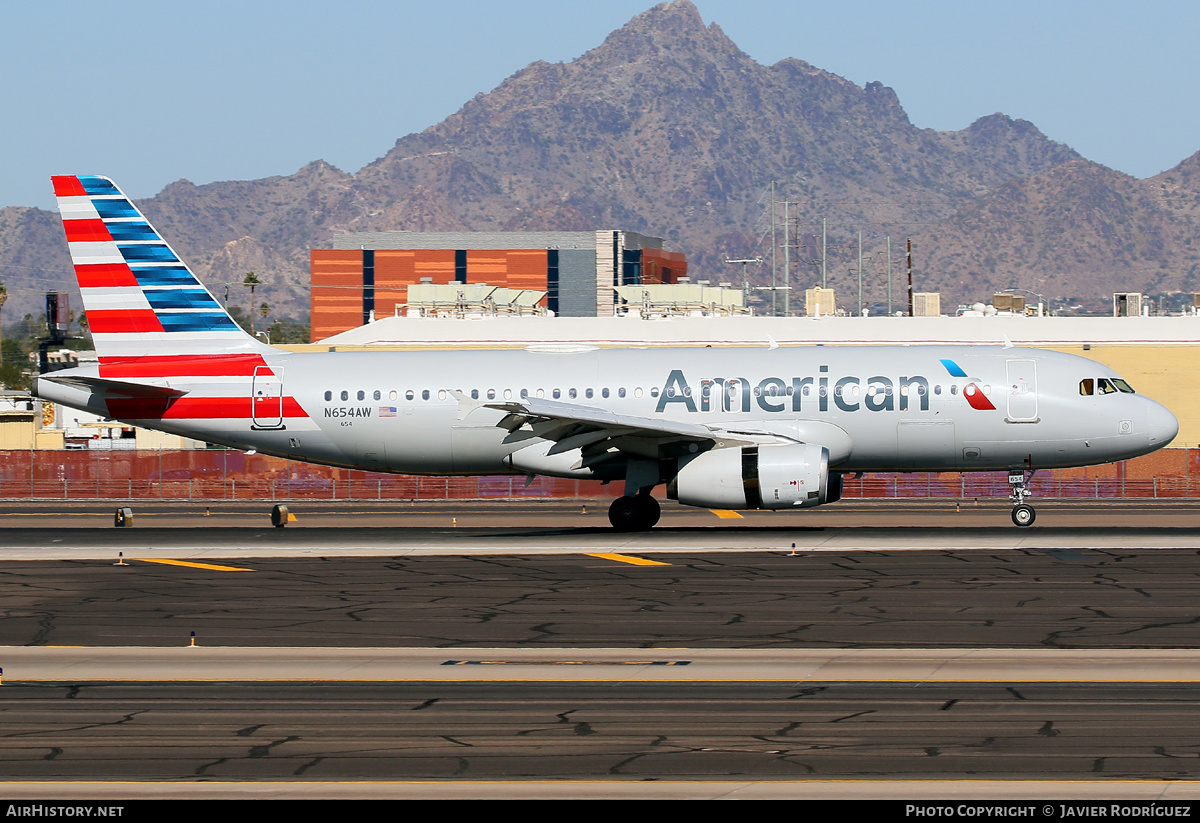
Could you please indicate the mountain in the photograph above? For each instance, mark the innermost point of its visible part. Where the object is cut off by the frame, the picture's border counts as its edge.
(669, 129)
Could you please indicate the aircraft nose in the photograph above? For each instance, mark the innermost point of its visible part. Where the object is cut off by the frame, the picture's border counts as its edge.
(1161, 426)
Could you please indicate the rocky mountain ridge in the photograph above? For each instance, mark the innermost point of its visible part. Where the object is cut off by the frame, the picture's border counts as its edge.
(668, 128)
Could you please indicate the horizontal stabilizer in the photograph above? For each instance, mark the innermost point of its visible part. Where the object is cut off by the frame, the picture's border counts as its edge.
(117, 388)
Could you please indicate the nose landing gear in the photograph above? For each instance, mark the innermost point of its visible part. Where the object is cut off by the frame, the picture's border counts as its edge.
(1023, 514)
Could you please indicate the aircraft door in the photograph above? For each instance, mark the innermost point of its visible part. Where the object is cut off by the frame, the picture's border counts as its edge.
(266, 398)
(1022, 391)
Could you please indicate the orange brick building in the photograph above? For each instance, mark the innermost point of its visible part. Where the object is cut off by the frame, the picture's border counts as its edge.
(367, 275)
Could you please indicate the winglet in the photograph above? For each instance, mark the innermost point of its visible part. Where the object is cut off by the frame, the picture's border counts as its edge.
(773, 344)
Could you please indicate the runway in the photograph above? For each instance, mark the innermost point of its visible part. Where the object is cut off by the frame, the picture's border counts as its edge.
(589, 731)
(354, 658)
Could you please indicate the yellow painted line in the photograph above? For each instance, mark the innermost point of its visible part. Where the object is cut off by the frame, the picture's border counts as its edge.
(726, 514)
(625, 558)
(193, 565)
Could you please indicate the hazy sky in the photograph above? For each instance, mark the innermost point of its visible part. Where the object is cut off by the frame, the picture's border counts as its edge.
(151, 92)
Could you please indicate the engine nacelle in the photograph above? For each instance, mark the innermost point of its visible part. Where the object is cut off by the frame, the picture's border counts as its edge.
(756, 477)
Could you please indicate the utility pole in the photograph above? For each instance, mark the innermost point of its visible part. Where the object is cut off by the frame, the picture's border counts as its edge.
(824, 257)
(889, 273)
(787, 262)
(774, 280)
(860, 302)
(910, 289)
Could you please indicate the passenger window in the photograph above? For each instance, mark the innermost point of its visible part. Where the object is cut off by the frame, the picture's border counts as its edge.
(345, 395)
(1087, 387)
(392, 395)
(524, 394)
(408, 395)
(362, 395)
(621, 392)
(604, 392)
(424, 394)
(378, 395)
(571, 394)
(557, 394)
(328, 395)
(637, 392)
(654, 392)
(491, 394)
(508, 394)
(474, 394)
(541, 393)
(589, 394)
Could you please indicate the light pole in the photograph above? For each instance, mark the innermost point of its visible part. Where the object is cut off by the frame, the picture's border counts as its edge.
(746, 276)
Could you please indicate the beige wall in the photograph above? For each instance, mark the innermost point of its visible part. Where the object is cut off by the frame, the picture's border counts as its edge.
(1162, 373)
(16, 430)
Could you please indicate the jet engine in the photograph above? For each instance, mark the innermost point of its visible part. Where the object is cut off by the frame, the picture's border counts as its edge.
(756, 477)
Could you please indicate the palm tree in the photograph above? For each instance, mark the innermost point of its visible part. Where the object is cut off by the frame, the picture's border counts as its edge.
(3, 297)
(251, 281)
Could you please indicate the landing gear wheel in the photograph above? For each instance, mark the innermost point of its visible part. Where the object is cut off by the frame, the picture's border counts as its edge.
(651, 511)
(634, 513)
(1023, 515)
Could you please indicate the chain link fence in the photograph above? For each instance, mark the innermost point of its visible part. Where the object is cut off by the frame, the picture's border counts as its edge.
(217, 474)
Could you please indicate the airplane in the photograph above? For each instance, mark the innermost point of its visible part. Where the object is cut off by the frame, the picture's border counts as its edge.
(721, 428)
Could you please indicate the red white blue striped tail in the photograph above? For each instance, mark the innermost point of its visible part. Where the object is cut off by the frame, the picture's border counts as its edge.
(140, 298)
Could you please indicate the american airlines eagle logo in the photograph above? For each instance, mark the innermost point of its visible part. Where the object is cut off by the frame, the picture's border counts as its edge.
(972, 391)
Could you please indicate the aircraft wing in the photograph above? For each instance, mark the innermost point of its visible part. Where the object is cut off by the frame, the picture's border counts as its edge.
(599, 431)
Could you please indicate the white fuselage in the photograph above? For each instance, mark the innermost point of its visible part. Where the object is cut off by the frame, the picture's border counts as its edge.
(884, 408)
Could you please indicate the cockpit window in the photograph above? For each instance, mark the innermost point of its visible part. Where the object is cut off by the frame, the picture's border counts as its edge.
(1122, 386)
(1087, 387)
(1105, 386)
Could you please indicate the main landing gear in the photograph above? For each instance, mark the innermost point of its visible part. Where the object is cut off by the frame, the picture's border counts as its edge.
(1018, 482)
(634, 513)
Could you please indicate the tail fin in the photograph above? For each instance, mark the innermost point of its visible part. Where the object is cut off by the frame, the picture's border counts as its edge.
(140, 298)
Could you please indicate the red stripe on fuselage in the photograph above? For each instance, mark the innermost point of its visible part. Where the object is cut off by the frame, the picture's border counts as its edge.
(67, 186)
(86, 231)
(205, 365)
(192, 408)
(123, 321)
(104, 275)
